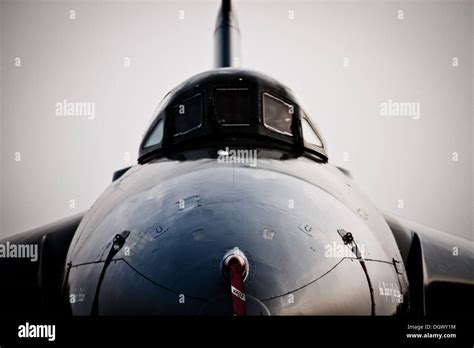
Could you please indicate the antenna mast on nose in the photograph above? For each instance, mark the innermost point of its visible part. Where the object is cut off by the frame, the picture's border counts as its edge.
(226, 38)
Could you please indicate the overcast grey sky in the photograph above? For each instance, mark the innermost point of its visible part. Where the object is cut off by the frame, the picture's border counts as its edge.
(343, 58)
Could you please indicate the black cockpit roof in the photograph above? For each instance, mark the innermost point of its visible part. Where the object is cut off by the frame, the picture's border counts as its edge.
(229, 106)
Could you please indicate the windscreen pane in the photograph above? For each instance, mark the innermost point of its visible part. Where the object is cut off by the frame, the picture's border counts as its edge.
(309, 135)
(232, 106)
(156, 135)
(188, 115)
(277, 115)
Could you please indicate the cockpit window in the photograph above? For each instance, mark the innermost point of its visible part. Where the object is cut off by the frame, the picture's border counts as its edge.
(309, 135)
(277, 115)
(187, 115)
(156, 135)
(232, 106)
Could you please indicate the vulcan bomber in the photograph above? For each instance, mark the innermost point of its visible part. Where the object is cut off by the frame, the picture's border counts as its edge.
(234, 208)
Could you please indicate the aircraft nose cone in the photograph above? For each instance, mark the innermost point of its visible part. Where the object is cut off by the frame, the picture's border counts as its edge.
(171, 262)
(185, 254)
(178, 268)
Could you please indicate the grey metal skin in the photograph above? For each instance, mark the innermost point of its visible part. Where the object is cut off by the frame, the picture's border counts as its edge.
(32, 287)
(440, 268)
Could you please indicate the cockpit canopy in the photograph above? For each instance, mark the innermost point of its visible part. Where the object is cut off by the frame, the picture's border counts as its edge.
(231, 106)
